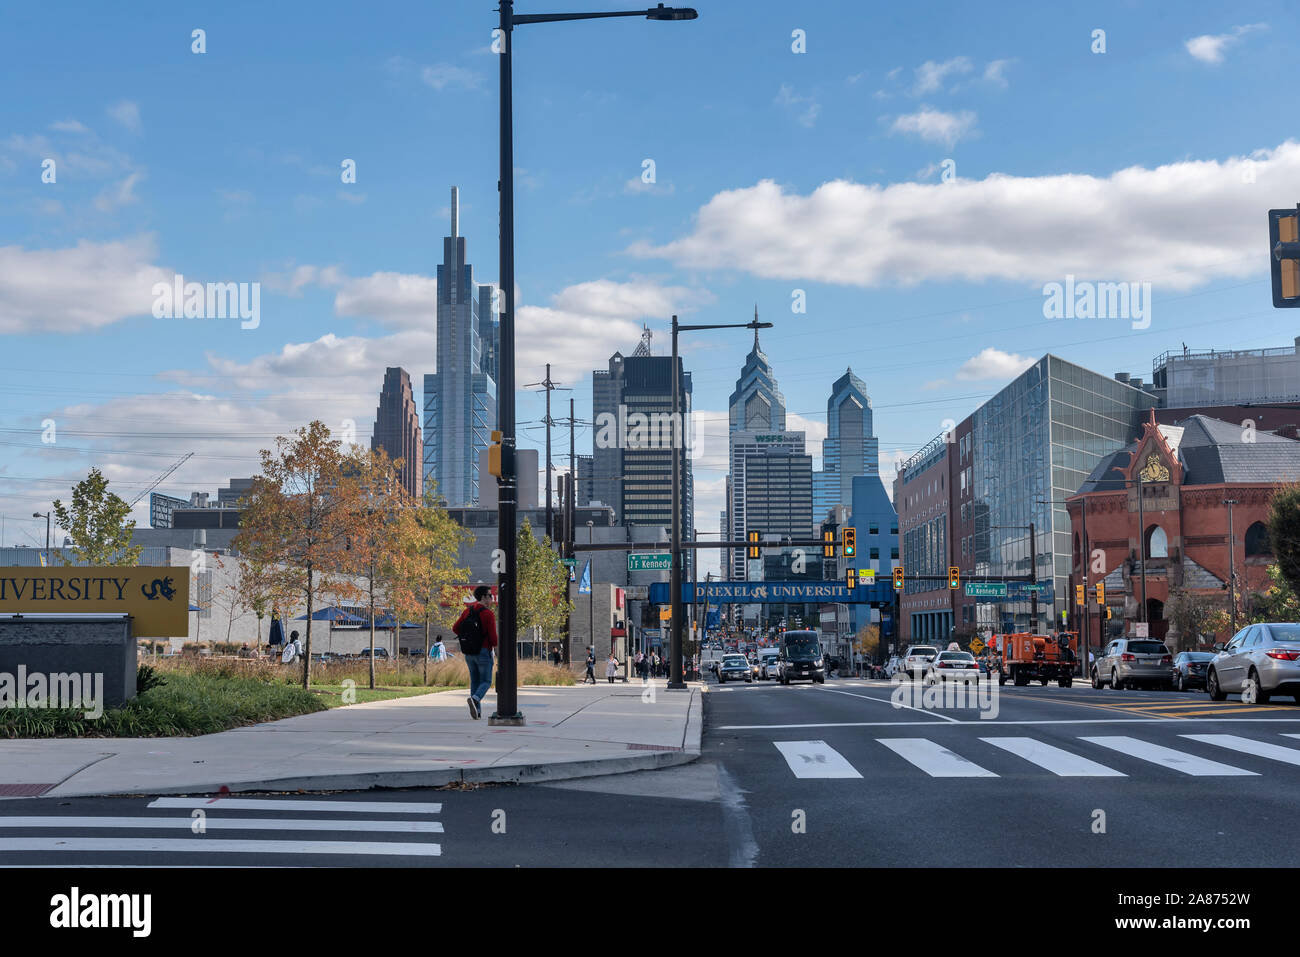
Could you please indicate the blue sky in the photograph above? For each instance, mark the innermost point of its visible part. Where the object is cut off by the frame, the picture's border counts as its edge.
(775, 171)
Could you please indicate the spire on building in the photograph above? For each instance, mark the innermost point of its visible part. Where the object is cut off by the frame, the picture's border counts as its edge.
(643, 347)
(756, 327)
(455, 211)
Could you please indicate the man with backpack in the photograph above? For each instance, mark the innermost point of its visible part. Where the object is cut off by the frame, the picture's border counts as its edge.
(477, 630)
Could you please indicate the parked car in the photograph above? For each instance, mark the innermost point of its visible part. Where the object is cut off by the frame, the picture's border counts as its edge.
(379, 653)
(917, 659)
(954, 666)
(894, 666)
(1130, 662)
(734, 668)
(1189, 669)
(767, 663)
(1259, 662)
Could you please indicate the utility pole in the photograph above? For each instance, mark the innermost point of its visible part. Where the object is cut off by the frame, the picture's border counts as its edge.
(549, 387)
(1232, 566)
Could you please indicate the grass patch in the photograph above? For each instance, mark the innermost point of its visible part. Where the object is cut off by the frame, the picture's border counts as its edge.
(332, 695)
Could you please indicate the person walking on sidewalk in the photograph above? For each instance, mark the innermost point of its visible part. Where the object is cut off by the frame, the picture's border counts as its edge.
(477, 630)
(611, 667)
(591, 667)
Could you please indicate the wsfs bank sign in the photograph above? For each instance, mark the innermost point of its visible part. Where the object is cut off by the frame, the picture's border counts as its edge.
(156, 598)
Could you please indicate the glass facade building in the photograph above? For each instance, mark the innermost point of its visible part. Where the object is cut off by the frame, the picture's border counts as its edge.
(850, 448)
(1034, 444)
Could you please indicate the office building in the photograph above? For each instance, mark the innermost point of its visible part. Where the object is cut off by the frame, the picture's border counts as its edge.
(1203, 378)
(633, 440)
(397, 428)
(850, 448)
(460, 399)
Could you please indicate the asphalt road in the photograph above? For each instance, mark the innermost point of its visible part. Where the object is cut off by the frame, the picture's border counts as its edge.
(825, 775)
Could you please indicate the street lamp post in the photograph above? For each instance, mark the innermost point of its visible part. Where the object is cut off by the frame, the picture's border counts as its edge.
(507, 712)
(46, 516)
(676, 681)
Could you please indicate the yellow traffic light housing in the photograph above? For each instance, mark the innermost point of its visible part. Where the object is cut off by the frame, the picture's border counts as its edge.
(954, 577)
(828, 550)
(849, 540)
(898, 578)
(850, 577)
(1101, 594)
(494, 455)
(1078, 595)
(1284, 263)
(753, 551)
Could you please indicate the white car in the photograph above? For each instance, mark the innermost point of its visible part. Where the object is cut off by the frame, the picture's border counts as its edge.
(954, 666)
(893, 666)
(918, 658)
(767, 659)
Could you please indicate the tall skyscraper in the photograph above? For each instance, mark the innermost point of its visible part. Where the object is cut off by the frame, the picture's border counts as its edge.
(397, 428)
(850, 448)
(756, 414)
(634, 434)
(460, 399)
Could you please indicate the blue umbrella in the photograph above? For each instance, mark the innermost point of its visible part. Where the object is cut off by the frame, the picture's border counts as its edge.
(334, 614)
(389, 620)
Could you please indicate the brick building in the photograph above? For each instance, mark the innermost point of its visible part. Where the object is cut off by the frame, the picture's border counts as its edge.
(1178, 530)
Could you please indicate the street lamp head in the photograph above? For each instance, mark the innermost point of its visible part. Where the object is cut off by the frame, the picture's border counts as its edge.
(671, 13)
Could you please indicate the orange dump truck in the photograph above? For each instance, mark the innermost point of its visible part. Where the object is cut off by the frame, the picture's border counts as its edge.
(1028, 657)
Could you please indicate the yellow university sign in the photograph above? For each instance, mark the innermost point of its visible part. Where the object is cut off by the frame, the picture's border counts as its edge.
(156, 598)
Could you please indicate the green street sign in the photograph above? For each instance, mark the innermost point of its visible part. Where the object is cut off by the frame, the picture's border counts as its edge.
(1033, 588)
(649, 561)
(571, 562)
(986, 590)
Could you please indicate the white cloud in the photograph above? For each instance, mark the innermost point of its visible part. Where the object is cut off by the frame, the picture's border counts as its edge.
(120, 194)
(442, 76)
(993, 364)
(930, 76)
(1182, 225)
(995, 73)
(806, 107)
(397, 300)
(69, 126)
(127, 113)
(1209, 48)
(629, 300)
(935, 126)
(814, 431)
(83, 287)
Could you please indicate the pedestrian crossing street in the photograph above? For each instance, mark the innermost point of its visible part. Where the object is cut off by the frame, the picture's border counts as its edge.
(1086, 756)
(298, 831)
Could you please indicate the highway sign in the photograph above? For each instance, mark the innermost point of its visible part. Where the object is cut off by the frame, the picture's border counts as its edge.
(986, 590)
(649, 561)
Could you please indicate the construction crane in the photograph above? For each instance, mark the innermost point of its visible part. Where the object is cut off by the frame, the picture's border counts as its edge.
(158, 481)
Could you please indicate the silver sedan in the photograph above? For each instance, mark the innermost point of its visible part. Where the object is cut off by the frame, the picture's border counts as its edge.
(1259, 662)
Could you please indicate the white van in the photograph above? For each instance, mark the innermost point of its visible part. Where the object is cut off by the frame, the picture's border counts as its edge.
(767, 662)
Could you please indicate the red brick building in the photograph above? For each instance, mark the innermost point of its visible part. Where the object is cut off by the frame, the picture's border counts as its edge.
(1178, 530)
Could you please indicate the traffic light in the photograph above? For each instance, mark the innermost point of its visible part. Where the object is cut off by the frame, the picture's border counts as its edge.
(898, 578)
(753, 536)
(828, 550)
(1284, 263)
(1078, 594)
(494, 455)
(1101, 594)
(954, 577)
(849, 538)
(850, 577)
(1108, 612)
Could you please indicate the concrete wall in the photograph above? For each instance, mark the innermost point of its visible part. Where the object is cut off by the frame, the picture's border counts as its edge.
(71, 644)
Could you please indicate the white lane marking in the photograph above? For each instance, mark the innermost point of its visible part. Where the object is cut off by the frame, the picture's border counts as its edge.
(935, 760)
(892, 704)
(985, 724)
(290, 804)
(735, 822)
(1168, 757)
(1260, 749)
(815, 759)
(1060, 762)
(200, 845)
(214, 822)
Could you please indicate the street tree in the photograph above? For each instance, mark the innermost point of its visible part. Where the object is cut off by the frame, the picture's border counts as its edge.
(300, 513)
(1284, 533)
(542, 605)
(1192, 616)
(426, 573)
(97, 523)
(1277, 602)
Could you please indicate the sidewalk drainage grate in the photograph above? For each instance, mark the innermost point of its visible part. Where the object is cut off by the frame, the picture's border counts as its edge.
(24, 790)
(652, 747)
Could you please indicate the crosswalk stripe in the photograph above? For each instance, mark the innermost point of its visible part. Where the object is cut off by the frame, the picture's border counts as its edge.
(815, 759)
(1260, 749)
(1057, 760)
(1168, 757)
(201, 845)
(213, 822)
(292, 804)
(934, 760)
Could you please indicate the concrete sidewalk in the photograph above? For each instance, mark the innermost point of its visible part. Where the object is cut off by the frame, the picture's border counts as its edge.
(424, 741)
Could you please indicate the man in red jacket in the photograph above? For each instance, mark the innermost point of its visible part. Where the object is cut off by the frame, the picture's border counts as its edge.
(477, 629)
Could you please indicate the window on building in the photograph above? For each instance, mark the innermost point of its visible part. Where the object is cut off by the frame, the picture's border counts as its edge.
(1157, 542)
(1257, 541)
(873, 529)
(875, 553)
(893, 552)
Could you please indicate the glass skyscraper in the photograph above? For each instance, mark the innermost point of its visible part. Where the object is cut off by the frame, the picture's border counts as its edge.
(460, 399)
(850, 448)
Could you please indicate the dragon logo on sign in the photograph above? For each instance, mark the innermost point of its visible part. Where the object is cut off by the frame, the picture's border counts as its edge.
(158, 585)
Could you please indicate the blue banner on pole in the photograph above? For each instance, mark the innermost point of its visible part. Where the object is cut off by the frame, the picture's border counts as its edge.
(584, 586)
